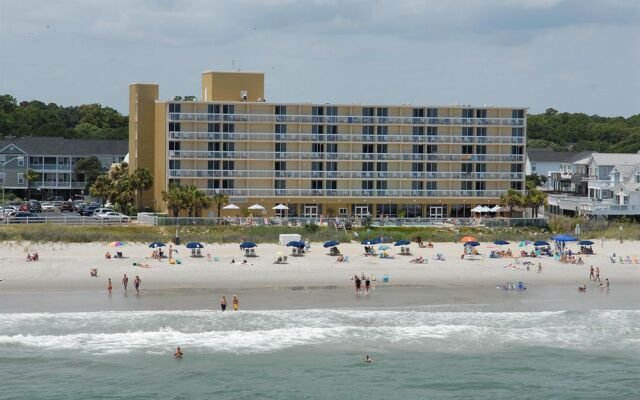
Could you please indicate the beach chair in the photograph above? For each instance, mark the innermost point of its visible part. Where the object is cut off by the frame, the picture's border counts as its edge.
(252, 252)
(198, 253)
(346, 258)
(193, 252)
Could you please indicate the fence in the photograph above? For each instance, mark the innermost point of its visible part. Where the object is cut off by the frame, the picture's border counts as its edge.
(66, 220)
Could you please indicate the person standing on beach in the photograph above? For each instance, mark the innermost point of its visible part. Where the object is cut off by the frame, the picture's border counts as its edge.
(125, 282)
(606, 285)
(592, 276)
(109, 286)
(235, 303)
(539, 267)
(367, 284)
(358, 284)
(170, 251)
(136, 283)
(223, 303)
(597, 278)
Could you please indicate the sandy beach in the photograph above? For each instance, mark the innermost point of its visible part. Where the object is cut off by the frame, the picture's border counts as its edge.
(65, 267)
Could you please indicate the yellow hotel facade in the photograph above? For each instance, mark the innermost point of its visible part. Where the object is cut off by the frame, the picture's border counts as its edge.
(325, 159)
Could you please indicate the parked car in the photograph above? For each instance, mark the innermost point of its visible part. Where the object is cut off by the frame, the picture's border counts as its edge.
(35, 206)
(112, 216)
(102, 210)
(48, 206)
(88, 211)
(24, 207)
(66, 206)
(22, 217)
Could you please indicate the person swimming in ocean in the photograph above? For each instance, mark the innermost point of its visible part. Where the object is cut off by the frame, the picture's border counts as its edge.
(367, 359)
(178, 353)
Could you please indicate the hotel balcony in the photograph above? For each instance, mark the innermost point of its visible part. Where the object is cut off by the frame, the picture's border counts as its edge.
(358, 193)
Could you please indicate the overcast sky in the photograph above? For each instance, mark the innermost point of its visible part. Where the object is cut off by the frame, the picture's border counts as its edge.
(572, 55)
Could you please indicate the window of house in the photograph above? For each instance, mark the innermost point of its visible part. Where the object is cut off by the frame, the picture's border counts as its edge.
(281, 110)
(431, 185)
(432, 148)
(213, 127)
(382, 111)
(516, 185)
(466, 168)
(418, 131)
(367, 130)
(417, 185)
(432, 131)
(382, 130)
(332, 166)
(382, 148)
(418, 149)
(466, 185)
(280, 165)
(228, 165)
(467, 149)
(367, 185)
(481, 113)
(317, 147)
(367, 148)
(467, 131)
(20, 179)
(316, 184)
(331, 185)
(432, 112)
(381, 166)
(317, 129)
(332, 129)
(516, 167)
(228, 146)
(316, 110)
(228, 109)
(417, 167)
(174, 107)
(279, 184)
(368, 111)
(174, 145)
(381, 185)
(332, 111)
(228, 128)
(213, 108)
(280, 128)
(481, 185)
(174, 164)
(174, 126)
(516, 149)
(481, 131)
(432, 167)
(367, 167)
(280, 147)
(228, 183)
(481, 167)
(332, 147)
(20, 161)
(517, 113)
(481, 149)
(418, 113)
(467, 113)
(316, 166)
(517, 132)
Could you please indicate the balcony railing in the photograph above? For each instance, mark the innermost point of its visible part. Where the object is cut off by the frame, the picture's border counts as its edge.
(484, 194)
(58, 185)
(359, 175)
(345, 119)
(267, 155)
(344, 138)
(50, 167)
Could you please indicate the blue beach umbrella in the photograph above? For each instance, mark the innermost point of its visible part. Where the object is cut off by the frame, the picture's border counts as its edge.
(384, 247)
(564, 238)
(500, 242)
(370, 242)
(247, 245)
(296, 243)
(402, 243)
(585, 243)
(155, 245)
(541, 243)
(331, 243)
(472, 244)
(194, 245)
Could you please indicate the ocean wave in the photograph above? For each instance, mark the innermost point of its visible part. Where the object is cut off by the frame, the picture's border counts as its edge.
(264, 331)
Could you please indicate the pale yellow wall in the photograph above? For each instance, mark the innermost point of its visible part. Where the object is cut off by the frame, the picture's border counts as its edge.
(142, 99)
(160, 154)
(226, 86)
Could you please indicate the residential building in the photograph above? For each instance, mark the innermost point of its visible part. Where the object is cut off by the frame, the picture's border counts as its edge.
(542, 161)
(325, 159)
(53, 159)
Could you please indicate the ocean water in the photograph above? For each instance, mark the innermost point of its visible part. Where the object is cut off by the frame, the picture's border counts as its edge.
(317, 353)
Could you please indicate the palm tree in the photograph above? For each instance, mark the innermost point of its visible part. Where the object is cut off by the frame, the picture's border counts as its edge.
(103, 187)
(125, 193)
(535, 199)
(511, 199)
(220, 199)
(141, 180)
(174, 198)
(30, 176)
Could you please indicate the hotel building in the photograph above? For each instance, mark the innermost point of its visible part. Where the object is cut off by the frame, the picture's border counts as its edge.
(325, 159)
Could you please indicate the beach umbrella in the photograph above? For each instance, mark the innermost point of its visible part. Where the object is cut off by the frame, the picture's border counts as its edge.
(296, 243)
(247, 245)
(402, 243)
(564, 238)
(477, 209)
(370, 242)
(524, 243)
(585, 243)
(384, 247)
(116, 244)
(495, 208)
(194, 245)
(473, 244)
(501, 242)
(485, 209)
(331, 243)
(468, 239)
(280, 207)
(155, 245)
(231, 207)
(256, 207)
(541, 243)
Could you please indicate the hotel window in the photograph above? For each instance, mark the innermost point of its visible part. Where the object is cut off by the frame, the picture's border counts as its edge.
(213, 146)
(481, 167)
(228, 165)
(466, 185)
(466, 168)
(332, 129)
(317, 147)
(467, 131)
(332, 185)
(382, 130)
(367, 130)
(432, 167)
(228, 109)
(174, 145)
(516, 185)
(382, 167)
(174, 107)
(382, 148)
(316, 185)
(228, 183)
(367, 185)
(481, 113)
(367, 148)
(213, 184)
(432, 131)
(174, 164)
(381, 185)
(279, 128)
(332, 111)
(279, 184)
(382, 112)
(213, 165)
(280, 147)
(417, 167)
(481, 149)
(481, 131)
(418, 131)
(467, 149)
(432, 112)
(281, 110)
(228, 128)
(481, 185)
(315, 110)
(467, 113)
(432, 148)
(516, 149)
(517, 132)
(213, 127)
(316, 166)
(517, 113)
(332, 166)
(516, 167)
(368, 111)
(418, 113)
(174, 126)
(416, 185)
(280, 165)
(20, 179)
(367, 167)
(213, 108)
(431, 185)
(317, 129)
(332, 147)
(228, 146)
(418, 149)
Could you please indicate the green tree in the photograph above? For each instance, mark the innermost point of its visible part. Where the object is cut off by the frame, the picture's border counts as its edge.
(103, 188)
(125, 194)
(90, 167)
(511, 199)
(174, 197)
(535, 199)
(141, 180)
(220, 199)
(31, 176)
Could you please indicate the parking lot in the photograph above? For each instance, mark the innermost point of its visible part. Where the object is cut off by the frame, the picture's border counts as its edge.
(68, 218)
